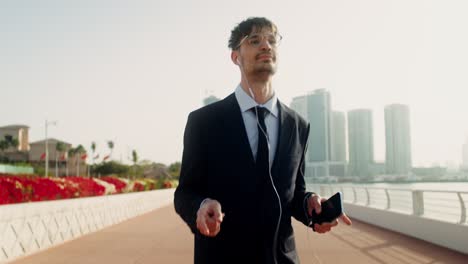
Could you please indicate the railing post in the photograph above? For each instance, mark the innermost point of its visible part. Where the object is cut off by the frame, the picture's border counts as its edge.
(388, 199)
(354, 195)
(418, 202)
(368, 197)
(463, 209)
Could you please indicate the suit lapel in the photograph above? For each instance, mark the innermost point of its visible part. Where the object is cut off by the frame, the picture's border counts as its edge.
(286, 128)
(236, 128)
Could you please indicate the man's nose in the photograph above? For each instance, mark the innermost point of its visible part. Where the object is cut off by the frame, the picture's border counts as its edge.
(265, 45)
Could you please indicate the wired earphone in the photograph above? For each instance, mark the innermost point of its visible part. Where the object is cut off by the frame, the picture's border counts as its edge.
(275, 238)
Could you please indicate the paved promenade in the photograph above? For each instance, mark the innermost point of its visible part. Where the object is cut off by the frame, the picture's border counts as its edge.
(161, 237)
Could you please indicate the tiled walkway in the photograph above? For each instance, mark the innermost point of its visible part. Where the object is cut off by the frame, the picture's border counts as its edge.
(161, 237)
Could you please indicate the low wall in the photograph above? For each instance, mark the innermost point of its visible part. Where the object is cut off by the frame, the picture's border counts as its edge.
(15, 169)
(28, 227)
(453, 236)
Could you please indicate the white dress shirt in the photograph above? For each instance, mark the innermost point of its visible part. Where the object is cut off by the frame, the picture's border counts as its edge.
(250, 121)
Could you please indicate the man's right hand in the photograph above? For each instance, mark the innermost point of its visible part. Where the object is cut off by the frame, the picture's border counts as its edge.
(209, 218)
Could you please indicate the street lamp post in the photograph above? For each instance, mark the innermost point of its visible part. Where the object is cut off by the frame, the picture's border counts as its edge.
(47, 123)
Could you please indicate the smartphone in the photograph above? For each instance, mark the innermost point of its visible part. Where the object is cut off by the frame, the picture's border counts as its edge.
(331, 210)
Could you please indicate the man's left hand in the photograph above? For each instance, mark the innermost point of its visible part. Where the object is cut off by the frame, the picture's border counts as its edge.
(315, 203)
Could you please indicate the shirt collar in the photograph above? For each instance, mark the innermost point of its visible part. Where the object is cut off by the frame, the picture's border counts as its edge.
(246, 102)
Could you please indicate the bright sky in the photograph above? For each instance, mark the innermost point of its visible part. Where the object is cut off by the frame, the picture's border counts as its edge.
(131, 71)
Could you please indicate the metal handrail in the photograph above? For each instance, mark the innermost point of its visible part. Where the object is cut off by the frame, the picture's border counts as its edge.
(368, 197)
(416, 199)
(463, 208)
(388, 199)
(392, 189)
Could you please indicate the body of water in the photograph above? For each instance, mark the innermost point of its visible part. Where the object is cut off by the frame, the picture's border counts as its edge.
(433, 186)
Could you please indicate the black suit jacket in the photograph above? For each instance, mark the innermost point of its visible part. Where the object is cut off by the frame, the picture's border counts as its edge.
(218, 163)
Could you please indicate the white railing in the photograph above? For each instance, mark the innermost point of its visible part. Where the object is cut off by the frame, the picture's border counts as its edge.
(28, 227)
(432, 215)
(449, 206)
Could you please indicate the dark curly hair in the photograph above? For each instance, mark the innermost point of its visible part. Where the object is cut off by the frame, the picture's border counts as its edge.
(246, 27)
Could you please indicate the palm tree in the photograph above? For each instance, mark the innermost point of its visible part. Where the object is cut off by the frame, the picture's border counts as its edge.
(11, 141)
(59, 148)
(135, 160)
(110, 144)
(93, 150)
(71, 153)
(3, 146)
(8, 142)
(79, 150)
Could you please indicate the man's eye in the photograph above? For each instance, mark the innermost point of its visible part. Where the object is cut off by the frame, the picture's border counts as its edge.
(254, 41)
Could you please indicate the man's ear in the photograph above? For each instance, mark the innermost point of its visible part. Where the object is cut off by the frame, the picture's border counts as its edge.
(235, 57)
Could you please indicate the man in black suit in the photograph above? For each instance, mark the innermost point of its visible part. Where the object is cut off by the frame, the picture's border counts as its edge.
(242, 175)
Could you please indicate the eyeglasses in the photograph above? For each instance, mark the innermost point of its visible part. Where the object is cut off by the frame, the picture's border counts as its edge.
(255, 40)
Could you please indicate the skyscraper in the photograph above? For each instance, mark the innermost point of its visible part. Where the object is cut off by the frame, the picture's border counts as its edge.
(397, 139)
(210, 99)
(465, 155)
(299, 104)
(326, 152)
(361, 143)
(338, 136)
(318, 113)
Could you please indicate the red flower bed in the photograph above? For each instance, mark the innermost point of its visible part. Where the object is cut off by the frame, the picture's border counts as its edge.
(68, 189)
(86, 186)
(9, 191)
(44, 189)
(14, 189)
(119, 185)
(138, 187)
(30, 188)
(167, 184)
(151, 186)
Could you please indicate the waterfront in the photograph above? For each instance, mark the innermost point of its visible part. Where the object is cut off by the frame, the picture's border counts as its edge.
(433, 186)
(445, 201)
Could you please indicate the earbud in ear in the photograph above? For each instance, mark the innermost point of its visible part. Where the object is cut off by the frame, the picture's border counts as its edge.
(238, 61)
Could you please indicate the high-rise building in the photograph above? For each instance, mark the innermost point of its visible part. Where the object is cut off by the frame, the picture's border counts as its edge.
(338, 136)
(397, 139)
(210, 99)
(299, 104)
(326, 152)
(465, 155)
(361, 143)
(318, 113)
